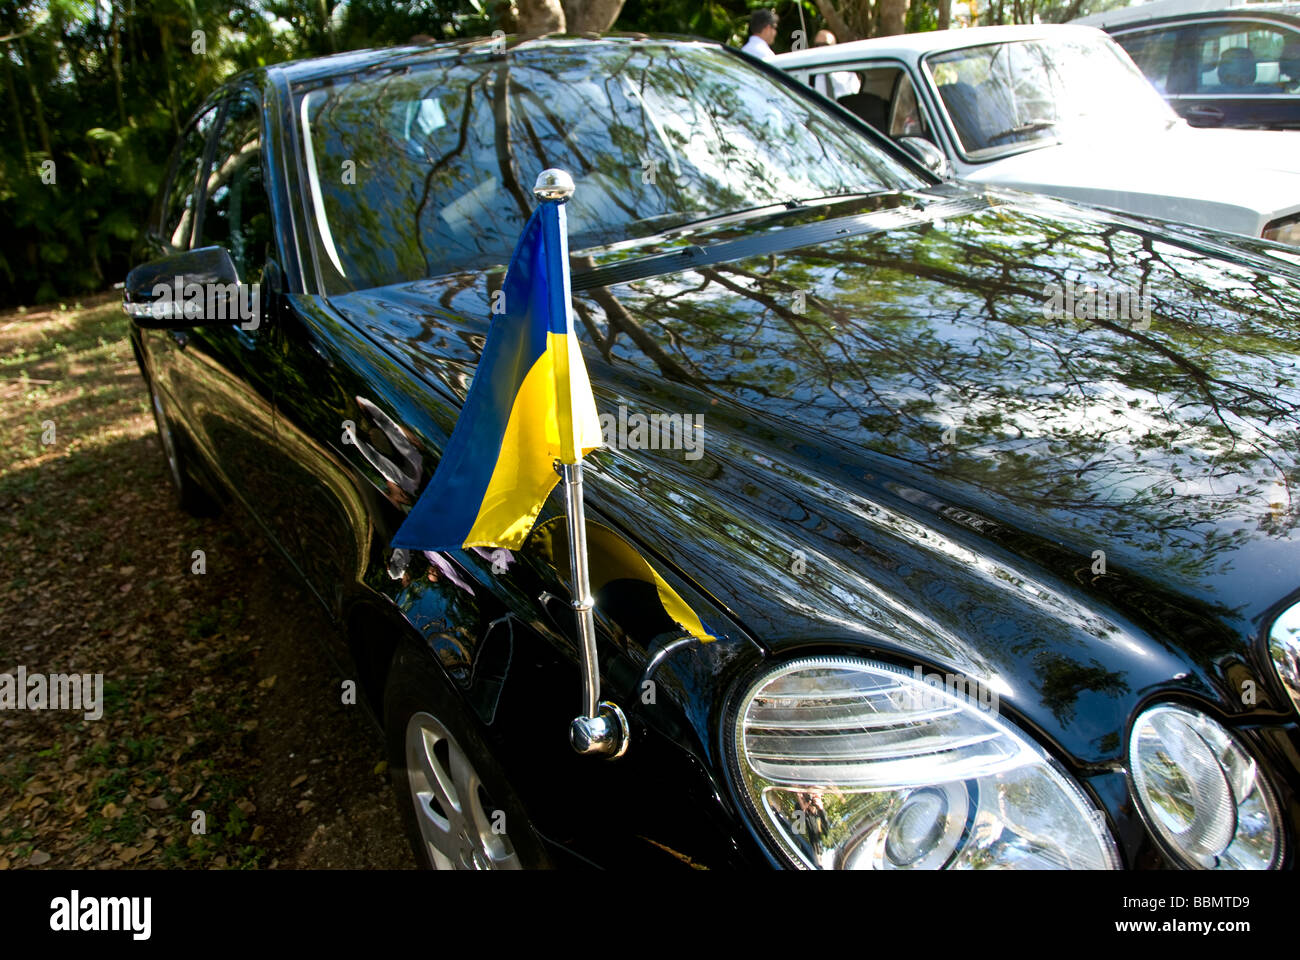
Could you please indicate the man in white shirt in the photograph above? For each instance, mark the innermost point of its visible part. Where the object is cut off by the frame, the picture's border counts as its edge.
(840, 83)
(762, 31)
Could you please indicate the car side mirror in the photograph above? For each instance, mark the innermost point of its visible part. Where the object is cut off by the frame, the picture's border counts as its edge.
(190, 289)
(930, 156)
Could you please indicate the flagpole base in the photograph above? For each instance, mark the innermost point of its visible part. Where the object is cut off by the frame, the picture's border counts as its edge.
(604, 735)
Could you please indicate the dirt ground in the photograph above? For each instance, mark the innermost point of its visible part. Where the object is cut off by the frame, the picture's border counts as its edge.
(218, 696)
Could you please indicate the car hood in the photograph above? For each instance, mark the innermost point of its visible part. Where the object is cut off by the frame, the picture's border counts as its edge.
(919, 442)
(1234, 180)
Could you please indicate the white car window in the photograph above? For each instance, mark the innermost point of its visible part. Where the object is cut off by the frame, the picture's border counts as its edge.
(1001, 95)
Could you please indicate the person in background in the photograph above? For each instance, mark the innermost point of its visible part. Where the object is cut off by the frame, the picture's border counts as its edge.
(841, 83)
(762, 31)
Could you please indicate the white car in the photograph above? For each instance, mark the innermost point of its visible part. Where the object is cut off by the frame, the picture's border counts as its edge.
(1061, 110)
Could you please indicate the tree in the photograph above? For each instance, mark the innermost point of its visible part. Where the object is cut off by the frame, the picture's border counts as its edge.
(893, 14)
(541, 16)
(574, 16)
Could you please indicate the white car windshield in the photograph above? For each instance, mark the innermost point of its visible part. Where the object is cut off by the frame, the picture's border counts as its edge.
(1002, 97)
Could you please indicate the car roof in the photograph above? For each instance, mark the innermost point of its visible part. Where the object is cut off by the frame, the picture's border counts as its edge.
(912, 46)
(1164, 11)
(359, 61)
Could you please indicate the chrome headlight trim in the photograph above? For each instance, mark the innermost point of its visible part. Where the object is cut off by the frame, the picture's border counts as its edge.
(1284, 651)
(874, 768)
(1201, 793)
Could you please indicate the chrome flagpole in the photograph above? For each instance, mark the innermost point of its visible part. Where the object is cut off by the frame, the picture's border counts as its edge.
(602, 729)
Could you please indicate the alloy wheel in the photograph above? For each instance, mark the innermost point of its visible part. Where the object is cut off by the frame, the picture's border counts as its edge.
(459, 825)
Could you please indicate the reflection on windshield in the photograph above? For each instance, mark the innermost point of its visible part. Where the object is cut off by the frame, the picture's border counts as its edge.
(428, 171)
(1001, 95)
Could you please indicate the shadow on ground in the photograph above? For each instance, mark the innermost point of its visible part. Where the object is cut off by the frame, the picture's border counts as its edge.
(218, 695)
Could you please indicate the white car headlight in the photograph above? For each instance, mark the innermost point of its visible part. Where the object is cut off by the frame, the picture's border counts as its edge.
(1284, 649)
(852, 764)
(1201, 792)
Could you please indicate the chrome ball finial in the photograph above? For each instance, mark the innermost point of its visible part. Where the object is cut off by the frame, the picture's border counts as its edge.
(553, 184)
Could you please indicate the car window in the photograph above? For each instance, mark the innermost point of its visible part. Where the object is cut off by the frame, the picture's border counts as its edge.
(236, 211)
(1004, 96)
(836, 84)
(429, 171)
(862, 89)
(1153, 52)
(1242, 57)
(178, 204)
(905, 117)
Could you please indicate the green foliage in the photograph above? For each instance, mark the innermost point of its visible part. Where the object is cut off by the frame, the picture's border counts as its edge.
(94, 95)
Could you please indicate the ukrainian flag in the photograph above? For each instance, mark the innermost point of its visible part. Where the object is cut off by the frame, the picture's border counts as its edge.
(529, 405)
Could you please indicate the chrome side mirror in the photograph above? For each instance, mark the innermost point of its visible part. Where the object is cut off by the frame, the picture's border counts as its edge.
(930, 156)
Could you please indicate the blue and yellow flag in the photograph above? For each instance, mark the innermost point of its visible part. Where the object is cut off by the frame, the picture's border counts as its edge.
(530, 404)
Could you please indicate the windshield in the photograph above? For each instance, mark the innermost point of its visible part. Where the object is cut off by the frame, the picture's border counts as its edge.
(428, 170)
(1005, 96)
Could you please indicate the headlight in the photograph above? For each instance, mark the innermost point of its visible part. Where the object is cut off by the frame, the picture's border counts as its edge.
(849, 764)
(1284, 231)
(1201, 792)
(1284, 648)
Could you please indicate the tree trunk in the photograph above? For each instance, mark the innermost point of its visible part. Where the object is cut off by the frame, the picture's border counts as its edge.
(13, 102)
(116, 59)
(893, 18)
(591, 16)
(166, 39)
(945, 14)
(540, 16)
(836, 23)
(323, 18)
(41, 129)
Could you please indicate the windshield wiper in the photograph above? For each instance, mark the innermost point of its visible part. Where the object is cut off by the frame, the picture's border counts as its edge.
(804, 201)
(746, 212)
(1029, 126)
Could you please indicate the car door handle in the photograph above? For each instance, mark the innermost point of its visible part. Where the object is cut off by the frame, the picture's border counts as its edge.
(1206, 113)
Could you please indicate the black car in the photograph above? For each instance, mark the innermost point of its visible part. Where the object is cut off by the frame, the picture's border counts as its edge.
(982, 505)
(1235, 67)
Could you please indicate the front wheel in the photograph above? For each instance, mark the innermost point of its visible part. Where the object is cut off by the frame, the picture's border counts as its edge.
(459, 810)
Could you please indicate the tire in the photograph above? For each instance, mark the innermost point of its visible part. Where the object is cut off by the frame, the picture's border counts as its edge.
(190, 497)
(456, 802)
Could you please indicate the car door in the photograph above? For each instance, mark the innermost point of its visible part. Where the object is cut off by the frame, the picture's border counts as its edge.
(881, 92)
(224, 370)
(1229, 72)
